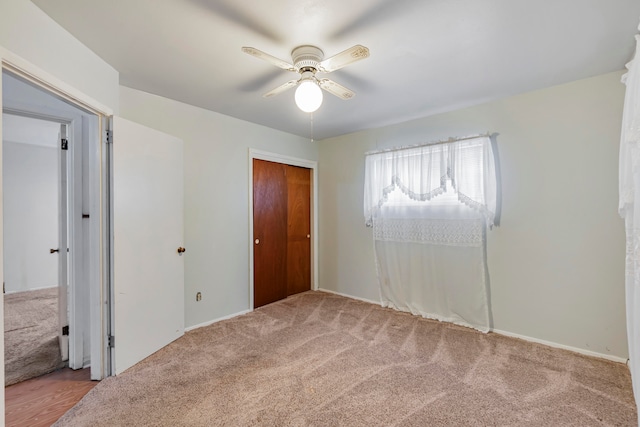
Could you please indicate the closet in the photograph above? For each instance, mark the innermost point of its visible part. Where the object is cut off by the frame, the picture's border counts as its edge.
(281, 231)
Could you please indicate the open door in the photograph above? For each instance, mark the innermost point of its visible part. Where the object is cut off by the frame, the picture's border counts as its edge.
(148, 258)
(63, 244)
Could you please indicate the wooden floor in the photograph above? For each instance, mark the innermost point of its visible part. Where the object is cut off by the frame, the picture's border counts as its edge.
(41, 401)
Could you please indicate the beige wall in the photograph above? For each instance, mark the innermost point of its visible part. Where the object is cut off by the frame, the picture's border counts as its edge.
(557, 260)
(216, 165)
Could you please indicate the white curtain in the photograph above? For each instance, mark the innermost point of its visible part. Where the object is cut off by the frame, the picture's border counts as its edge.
(629, 194)
(429, 207)
(423, 172)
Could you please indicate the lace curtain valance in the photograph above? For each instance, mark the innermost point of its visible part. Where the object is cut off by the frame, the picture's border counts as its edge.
(423, 172)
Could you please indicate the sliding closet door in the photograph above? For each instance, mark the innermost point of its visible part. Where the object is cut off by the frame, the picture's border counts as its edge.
(269, 232)
(298, 230)
(281, 231)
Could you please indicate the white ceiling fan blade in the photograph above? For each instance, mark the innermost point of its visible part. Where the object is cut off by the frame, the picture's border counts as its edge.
(336, 89)
(269, 58)
(281, 88)
(349, 56)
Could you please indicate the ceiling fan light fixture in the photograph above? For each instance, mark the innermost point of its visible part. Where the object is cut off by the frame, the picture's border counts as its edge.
(308, 96)
(307, 61)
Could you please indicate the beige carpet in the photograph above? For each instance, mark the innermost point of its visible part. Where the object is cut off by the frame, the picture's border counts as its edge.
(31, 344)
(318, 359)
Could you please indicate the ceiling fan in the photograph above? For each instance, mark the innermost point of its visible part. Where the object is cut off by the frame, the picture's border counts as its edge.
(307, 61)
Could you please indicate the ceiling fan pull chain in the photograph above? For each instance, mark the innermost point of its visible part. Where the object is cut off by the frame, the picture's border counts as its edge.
(311, 117)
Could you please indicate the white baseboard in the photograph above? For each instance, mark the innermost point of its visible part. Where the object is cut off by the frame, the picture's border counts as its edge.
(562, 346)
(29, 290)
(211, 322)
(514, 335)
(495, 331)
(349, 296)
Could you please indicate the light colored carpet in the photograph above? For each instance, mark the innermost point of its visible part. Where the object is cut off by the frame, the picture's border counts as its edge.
(31, 344)
(317, 359)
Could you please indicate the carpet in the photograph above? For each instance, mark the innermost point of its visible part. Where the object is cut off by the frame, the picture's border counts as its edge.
(318, 359)
(31, 344)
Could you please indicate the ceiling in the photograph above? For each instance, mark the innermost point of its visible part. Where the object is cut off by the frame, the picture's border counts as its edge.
(427, 56)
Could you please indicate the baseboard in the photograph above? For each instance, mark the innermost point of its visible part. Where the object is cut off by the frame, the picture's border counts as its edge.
(29, 290)
(562, 346)
(495, 331)
(349, 296)
(514, 335)
(220, 319)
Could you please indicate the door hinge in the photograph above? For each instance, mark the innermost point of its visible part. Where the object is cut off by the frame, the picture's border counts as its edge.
(64, 144)
(109, 139)
(111, 341)
(65, 330)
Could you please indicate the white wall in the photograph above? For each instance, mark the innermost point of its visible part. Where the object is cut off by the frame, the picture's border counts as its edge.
(216, 195)
(28, 32)
(556, 262)
(30, 220)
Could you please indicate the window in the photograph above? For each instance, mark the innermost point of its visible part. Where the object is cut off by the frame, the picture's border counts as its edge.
(429, 207)
(452, 174)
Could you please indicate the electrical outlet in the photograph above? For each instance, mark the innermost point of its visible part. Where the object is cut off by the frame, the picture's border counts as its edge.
(199, 296)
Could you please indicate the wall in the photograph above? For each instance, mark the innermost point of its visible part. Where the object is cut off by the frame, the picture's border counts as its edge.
(556, 262)
(30, 220)
(216, 186)
(28, 32)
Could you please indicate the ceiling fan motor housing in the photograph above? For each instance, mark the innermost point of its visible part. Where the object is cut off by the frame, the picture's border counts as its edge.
(307, 58)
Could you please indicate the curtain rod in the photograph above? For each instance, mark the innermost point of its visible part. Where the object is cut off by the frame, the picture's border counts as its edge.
(442, 141)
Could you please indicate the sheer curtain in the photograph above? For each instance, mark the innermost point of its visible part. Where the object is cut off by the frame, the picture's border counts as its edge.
(429, 207)
(629, 194)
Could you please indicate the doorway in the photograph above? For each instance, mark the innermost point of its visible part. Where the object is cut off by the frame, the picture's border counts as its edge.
(103, 205)
(282, 227)
(71, 251)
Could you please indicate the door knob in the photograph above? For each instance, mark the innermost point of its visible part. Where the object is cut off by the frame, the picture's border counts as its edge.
(308, 236)
(53, 251)
(257, 241)
(181, 250)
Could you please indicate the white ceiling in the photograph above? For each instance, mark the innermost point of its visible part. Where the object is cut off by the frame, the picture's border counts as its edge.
(427, 56)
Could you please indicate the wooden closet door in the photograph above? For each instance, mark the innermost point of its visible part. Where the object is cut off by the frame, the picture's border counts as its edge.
(298, 230)
(269, 232)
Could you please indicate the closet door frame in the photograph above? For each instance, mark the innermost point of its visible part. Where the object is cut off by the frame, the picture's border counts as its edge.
(293, 161)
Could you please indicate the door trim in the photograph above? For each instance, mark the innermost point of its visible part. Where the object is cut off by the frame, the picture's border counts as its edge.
(37, 76)
(65, 180)
(293, 161)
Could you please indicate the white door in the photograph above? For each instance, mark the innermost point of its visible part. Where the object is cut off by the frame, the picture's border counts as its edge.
(148, 275)
(63, 271)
